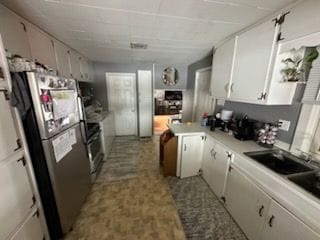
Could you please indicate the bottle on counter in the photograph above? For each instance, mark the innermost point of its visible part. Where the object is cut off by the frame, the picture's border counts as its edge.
(204, 120)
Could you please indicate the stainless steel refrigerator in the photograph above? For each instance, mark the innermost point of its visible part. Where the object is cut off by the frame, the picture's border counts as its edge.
(57, 150)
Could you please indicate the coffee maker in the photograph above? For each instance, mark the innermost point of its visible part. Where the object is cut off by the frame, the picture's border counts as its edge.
(244, 129)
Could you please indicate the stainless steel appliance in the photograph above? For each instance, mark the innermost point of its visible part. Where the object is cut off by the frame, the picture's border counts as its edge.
(57, 149)
(94, 149)
(91, 130)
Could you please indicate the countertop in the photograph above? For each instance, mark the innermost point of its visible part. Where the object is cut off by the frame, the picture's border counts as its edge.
(295, 199)
(98, 117)
(227, 140)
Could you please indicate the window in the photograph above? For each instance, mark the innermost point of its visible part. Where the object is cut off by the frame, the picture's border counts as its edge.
(307, 135)
(315, 146)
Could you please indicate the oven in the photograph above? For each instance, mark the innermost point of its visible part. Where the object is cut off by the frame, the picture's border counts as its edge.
(94, 148)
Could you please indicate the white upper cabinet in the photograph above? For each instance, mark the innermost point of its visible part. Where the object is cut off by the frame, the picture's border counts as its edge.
(222, 66)
(13, 32)
(75, 64)
(62, 58)
(282, 225)
(41, 47)
(253, 62)
(85, 69)
(302, 20)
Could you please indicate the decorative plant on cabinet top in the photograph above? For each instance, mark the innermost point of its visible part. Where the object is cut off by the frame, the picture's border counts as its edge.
(298, 63)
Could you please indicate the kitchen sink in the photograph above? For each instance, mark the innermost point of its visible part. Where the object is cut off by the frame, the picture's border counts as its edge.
(309, 182)
(280, 161)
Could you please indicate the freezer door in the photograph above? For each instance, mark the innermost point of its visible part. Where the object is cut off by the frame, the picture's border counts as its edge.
(55, 102)
(69, 171)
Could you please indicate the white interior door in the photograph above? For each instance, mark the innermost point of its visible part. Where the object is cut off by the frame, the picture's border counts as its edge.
(121, 88)
(202, 100)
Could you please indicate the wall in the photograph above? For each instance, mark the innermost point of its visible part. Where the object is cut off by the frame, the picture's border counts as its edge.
(101, 68)
(182, 77)
(270, 113)
(189, 93)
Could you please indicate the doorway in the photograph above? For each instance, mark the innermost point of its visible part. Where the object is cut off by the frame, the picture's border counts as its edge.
(122, 95)
(202, 101)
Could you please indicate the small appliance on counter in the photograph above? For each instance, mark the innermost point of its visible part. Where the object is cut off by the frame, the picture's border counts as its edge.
(244, 129)
(225, 118)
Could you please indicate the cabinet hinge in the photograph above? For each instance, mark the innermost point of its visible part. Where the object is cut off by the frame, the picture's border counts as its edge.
(33, 201)
(223, 199)
(5, 93)
(230, 168)
(203, 137)
(23, 26)
(37, 213)
(263, 96)
(19, 145)
(280, 20)
(23, 160)
(280, 38)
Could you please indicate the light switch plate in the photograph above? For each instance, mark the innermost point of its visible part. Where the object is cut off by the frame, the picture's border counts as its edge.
(284, 125)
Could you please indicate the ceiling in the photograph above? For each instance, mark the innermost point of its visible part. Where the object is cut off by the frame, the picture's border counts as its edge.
(176, 31)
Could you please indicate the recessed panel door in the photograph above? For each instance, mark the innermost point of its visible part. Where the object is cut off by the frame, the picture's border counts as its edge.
(122, 101)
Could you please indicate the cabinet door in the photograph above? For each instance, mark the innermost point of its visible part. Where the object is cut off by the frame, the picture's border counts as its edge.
(75, 65)
(85, 69)
(246, 203)
(31, 229)
(41, 47)
(306, 13)
(16, 197)
(192, 147)
(62, 57)
(220, 163)
(282, 225)
(252, 64)
(207, 160)
(222, 66)
(13, 33)
(8, 133)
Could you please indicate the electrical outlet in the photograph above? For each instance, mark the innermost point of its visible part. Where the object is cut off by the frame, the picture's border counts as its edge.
(284, 125)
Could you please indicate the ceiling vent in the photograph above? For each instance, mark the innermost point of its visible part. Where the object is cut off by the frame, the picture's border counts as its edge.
(138, 45)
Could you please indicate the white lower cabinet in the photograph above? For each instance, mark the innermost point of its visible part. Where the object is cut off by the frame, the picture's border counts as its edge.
(191, 155)
(16, 197)
(247, 203)
(282, 225)
(30, 230)
(258, 215)
(215, 165)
